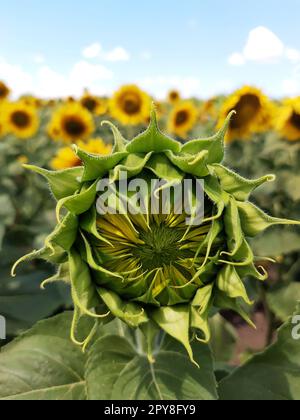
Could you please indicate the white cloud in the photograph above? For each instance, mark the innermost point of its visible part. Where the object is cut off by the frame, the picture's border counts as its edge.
(17, 79)
(236, 59)
(92, 51)
(46, 82)
(293, 55)
(117, 54)
(39, 58)
(291, 87)
(95, 50)
(263, 46)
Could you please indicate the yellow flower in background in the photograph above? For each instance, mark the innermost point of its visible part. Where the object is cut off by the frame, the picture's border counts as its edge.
(208, 110)
(4, 91)
(174, 97)
(130, 105)
(288, 119)
(21, 119)
(254, 113)
(71, 123)
(95, 105)
(66, 157)
(22, 159)
(183, 118)
(3, 125)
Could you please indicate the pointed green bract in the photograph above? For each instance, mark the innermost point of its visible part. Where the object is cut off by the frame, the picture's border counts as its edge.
(152, 271)
(152, 140)
(62, 183)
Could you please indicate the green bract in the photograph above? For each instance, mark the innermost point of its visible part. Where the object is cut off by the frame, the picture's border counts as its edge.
(154, 272)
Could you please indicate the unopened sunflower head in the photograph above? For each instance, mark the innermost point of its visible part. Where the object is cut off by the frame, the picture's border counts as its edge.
(151, 269)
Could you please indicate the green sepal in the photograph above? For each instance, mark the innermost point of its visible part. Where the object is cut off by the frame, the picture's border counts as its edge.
(96, 166)
(133, 165)
(88, 223)
(254, 220)
(229, 282)
(153, 140)
(119, 141)
(81, 202)
(222, 301)
(200, 311)
(84, 292)
(193, 165)
(175, 321)
(163, 169)
(233, 228)
(131, 313)
(62, 183)
(54, 255)
(240, 188)
(214, 145)
(65, 233)
(63, 274)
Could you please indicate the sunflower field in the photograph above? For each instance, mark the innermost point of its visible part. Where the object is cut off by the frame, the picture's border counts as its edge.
(139, 295)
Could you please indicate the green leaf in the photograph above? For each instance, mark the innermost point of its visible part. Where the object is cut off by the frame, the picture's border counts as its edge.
(273, 375)
(241, 188)
(223, 339)
(152, 140)
(283, 300)
(23, 303)
(43, 364)
(127, 374)
(62, 183)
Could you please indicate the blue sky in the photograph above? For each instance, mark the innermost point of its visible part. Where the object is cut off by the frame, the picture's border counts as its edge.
(203, 47)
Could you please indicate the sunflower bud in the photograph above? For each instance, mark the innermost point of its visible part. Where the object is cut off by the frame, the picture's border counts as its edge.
(152, 269)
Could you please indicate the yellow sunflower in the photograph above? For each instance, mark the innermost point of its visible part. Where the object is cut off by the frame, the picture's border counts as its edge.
(183, 118)
(71, 123)
(254, 113)
(288, 119)
(95, 105)
(174, 97)
(4, 91)
(130, 105)
(21, 119)
(66, 157)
